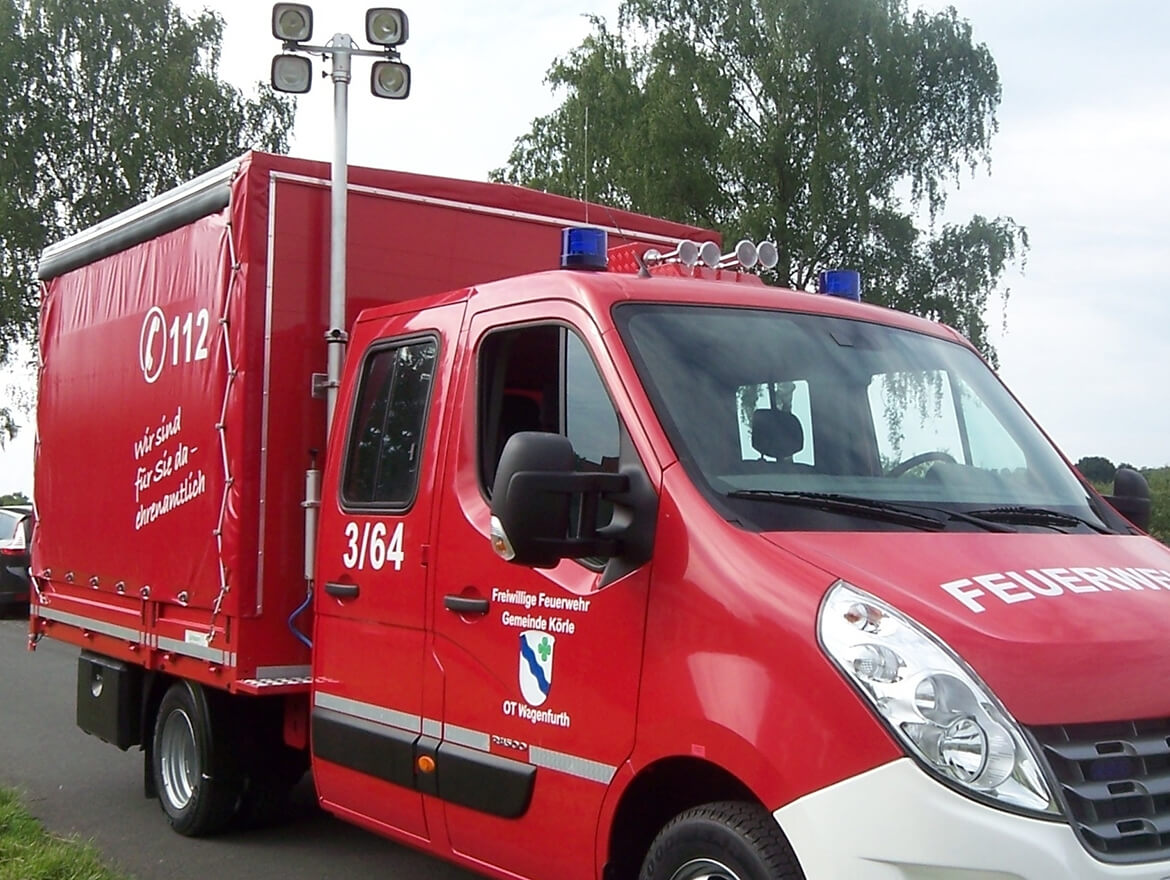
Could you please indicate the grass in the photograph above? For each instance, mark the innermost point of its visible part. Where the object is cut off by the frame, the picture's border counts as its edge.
(29, 852)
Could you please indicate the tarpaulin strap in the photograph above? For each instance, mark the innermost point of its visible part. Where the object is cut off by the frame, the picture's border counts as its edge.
(221, 426)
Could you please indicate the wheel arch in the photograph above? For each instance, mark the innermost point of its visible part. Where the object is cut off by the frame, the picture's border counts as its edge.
(154, 687)
(656, 794)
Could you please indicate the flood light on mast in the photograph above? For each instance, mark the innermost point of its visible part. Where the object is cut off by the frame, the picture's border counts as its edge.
(292, 22)
(387, 26)
(390, 79)
(292, 73)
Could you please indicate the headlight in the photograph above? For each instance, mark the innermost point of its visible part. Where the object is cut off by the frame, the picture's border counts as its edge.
(934, 704)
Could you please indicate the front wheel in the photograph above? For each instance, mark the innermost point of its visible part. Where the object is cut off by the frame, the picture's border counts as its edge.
(190, 759)
(730, 840)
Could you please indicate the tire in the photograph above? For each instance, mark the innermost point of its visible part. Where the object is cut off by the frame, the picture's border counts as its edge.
(197, 786)
(730, 840)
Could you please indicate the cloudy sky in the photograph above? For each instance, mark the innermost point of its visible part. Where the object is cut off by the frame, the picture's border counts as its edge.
(1080, 160)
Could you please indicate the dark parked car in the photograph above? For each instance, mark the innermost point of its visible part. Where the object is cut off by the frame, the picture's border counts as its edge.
(16, 527)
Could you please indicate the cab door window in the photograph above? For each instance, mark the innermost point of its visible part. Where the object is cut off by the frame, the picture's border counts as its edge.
(590, 421)
(385, 442)
(542, 378)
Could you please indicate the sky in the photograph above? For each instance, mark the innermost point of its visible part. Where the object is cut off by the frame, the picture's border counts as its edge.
(1080, 160)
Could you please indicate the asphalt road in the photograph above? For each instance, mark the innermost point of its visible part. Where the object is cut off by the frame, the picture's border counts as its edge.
(77, 784)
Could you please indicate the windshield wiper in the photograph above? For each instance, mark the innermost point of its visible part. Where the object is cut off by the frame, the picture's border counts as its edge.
(861, 506)
(1023, 515)
(851, 504)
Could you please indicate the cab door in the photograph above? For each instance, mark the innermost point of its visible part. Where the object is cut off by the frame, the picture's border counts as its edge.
(374, 532)
(540, 668)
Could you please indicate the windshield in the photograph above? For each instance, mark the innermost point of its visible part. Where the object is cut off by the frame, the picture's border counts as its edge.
(843, 418)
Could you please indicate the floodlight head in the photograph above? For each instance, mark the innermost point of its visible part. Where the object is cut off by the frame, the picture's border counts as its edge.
(292, 73)
(746, 254)
(292, 22)
(709, 254)
(769, 254)
(687, 253)
(386, 26)
(390, 79)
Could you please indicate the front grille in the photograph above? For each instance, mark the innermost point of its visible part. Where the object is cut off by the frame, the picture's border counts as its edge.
(1115, 778)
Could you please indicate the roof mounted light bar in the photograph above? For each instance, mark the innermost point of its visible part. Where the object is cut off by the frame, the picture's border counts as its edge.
(688, 253)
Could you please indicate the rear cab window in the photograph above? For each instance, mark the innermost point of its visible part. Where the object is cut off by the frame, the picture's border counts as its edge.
(386, 438)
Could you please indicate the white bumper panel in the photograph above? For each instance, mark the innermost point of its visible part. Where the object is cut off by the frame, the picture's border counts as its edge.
(897, 823)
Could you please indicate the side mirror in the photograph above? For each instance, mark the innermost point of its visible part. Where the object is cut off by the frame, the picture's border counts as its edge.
(1131, 497)
(532, 503)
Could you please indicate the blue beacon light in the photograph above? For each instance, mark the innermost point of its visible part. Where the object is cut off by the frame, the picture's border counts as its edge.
(845, 283)
(584, 247)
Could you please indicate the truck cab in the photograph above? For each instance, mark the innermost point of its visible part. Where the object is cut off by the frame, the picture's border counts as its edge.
(689, 553)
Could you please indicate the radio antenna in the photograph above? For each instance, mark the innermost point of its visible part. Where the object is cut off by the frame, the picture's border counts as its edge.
(585, 198)
(642, 270)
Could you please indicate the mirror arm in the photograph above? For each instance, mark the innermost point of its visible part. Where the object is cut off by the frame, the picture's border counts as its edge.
(590, 488)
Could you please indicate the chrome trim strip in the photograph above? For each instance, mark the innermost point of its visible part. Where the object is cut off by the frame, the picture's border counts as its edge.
(98, 626)
(368, 712)
(582, 768)
(200, 652)
(594, 771)
(462, 736)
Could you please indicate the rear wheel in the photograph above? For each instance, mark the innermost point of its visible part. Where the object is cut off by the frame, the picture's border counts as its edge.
(191, 761)
(729, 840)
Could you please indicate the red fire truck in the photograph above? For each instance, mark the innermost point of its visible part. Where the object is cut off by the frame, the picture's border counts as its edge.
(633, 568)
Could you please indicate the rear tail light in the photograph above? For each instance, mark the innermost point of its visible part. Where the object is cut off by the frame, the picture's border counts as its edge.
(16, 545)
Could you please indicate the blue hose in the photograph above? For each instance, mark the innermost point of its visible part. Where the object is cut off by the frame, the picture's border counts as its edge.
(300, 609)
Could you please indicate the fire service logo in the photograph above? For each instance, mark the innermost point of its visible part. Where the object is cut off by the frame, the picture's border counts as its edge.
(184, 339)
(536, 665)
(152, 344)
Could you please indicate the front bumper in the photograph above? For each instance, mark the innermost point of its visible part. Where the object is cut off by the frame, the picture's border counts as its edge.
(897, 823)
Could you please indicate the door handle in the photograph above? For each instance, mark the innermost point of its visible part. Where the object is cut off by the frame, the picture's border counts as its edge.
(465, 604)
(342, 591)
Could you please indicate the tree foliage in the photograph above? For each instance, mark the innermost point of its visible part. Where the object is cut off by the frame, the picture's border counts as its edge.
(827, 126)
(104, 105)
(1096, 469)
